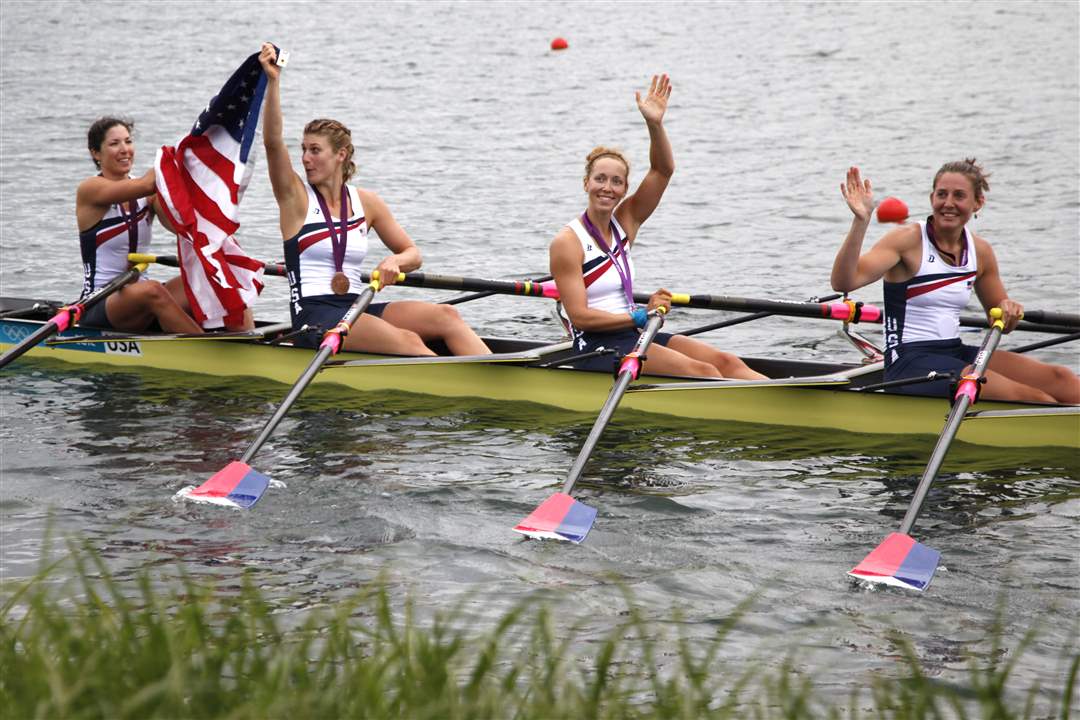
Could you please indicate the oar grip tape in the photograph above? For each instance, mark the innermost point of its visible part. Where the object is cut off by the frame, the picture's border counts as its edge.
(67, 316)
(631, 363)
(971, 386)
(335, 337)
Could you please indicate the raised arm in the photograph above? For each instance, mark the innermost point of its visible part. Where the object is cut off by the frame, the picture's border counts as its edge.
(287, 185)
(638, 207)
(95, 194)
(405, 255)
(852, 269)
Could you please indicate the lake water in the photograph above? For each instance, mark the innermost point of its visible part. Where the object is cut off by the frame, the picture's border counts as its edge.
(475, 134)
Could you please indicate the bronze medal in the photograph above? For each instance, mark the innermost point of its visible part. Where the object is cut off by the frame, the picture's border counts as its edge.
(339, 283)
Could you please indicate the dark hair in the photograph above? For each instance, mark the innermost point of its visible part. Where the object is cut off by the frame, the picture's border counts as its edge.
(969, 169)
(95, 136)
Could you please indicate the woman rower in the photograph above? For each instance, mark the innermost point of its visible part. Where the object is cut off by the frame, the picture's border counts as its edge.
(929, 270)
(323, 254)
(114, 212)
(591, 265)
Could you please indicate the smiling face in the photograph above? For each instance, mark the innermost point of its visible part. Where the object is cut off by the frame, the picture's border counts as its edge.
(606, 184)
(321, 161)
(116, 154)
(954, 200)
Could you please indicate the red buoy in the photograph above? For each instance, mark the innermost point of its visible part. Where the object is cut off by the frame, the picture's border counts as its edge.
(559, 44)
(892, 210)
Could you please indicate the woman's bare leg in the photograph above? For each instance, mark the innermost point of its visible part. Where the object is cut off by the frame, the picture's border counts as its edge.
(729, 364)
(373, 334)
(134, 306)
(1057, 381)
(436, 322)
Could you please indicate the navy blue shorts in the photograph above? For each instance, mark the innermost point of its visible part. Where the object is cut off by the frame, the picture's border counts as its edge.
(919, 359)
(95, 317)
(323, 313)
(621, 341)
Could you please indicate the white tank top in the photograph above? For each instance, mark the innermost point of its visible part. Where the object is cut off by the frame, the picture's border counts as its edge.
(603, 286)
(927, 307)
(309, 255)
(106, 245)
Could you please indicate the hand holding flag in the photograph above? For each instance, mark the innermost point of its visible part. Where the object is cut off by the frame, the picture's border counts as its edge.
(200, 183)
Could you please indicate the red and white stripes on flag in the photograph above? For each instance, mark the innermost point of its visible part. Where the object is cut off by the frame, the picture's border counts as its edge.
(200, 183)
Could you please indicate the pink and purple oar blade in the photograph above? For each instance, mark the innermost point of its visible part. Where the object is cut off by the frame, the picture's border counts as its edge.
(237, 485)
(560, 517)
(899, 561)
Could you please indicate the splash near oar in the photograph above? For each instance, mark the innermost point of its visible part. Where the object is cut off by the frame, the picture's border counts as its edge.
(238, 484)
(900, 560)
(561, 517)
(69, 314)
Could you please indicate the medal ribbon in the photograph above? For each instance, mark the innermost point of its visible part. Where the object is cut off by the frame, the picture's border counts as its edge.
(335, 242)
(132, 223)
(624, 271)
(946, 253)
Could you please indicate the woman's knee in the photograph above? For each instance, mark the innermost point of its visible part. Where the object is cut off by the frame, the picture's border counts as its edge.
(447, 315)
(151, 293)
(698, 368)
(411, 342)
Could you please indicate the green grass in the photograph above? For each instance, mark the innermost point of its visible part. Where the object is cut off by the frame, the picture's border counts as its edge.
(116, 649)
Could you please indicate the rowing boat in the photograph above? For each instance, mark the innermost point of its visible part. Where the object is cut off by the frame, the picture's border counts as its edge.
(798, 393)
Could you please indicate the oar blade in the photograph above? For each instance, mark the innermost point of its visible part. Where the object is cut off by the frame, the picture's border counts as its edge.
(237, 485)
(899, 561)
(560, 517)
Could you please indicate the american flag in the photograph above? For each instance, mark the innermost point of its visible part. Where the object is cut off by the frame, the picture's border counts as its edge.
(200, 183)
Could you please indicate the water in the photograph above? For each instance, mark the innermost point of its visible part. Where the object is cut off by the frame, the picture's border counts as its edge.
(475, 134)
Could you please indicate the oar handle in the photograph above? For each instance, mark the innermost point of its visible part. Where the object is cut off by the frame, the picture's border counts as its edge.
(628, 371)
(967, 393)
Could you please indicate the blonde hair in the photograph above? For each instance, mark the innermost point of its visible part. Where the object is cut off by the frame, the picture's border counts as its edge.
(339, 137)
(969, 169)
(601, 151)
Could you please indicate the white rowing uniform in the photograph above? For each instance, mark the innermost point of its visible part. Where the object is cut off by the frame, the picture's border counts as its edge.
(927, 307)
(309, 255)
(105, 246)
(603, 284)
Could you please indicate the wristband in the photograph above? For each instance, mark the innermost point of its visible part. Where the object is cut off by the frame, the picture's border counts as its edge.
(640, 316)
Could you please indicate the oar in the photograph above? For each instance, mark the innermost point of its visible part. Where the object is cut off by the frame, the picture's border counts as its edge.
(240, 485)
(847, 311)
(561, 517)
(844, 310)
(899, 560)
(486, 293)
(70, 314)
(465, 284)
(171, 261)
(978, 321)
(744, 318)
